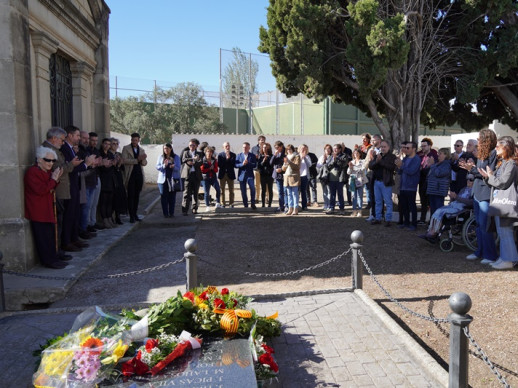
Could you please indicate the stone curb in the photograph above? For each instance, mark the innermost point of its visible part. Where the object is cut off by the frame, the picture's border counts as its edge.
(430, 366)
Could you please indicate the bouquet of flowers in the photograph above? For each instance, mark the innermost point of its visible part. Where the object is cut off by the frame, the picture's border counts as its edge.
(80, 358)
(265, 365)
(226, 311)
(157, 353)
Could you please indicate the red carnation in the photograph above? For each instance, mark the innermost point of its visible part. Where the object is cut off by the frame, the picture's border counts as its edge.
(218, 303)
(224, 291)
(189, 295)
(204, 295)
(267, 359)
(150, 344)
(267, 349)
(134, 366)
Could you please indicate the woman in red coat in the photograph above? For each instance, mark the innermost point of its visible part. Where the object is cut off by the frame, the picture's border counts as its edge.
(40, 183)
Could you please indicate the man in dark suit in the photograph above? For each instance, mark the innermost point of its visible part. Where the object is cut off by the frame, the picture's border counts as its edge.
(246, 162)
(191, 174)
(71, 213)
(227, 173)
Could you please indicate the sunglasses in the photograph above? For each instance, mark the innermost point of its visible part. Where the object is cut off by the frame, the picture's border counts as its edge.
(458, 145)
(50, 160)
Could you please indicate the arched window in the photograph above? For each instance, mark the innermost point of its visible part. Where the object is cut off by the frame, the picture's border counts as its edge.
(60, 91)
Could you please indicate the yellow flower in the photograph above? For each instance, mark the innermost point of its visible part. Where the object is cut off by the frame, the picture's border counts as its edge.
(203, 306)
(118, 352)
(56, 362)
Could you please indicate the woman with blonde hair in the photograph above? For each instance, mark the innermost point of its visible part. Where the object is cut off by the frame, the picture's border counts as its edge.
(291, 168)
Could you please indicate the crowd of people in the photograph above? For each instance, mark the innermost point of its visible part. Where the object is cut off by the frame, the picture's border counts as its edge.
(76, 188)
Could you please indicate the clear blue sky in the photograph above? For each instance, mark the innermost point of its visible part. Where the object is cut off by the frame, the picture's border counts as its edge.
(179, 41)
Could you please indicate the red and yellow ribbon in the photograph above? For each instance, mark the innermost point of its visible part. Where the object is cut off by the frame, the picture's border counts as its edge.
(229, 320)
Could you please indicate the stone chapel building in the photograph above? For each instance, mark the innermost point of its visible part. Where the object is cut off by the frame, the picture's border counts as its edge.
(53, 72)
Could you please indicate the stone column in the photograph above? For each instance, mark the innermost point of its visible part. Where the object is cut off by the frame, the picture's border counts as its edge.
(44, 46)
(101, 89)
(81, 91)
(18, 144)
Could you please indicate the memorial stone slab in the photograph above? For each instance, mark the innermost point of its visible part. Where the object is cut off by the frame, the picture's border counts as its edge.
(219, 363)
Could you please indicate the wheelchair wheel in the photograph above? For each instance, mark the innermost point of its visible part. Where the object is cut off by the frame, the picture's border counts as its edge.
(446, 245)
(469, 233)
(456, 234)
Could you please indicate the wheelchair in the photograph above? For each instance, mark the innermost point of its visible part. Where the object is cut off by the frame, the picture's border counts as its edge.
(454, 230)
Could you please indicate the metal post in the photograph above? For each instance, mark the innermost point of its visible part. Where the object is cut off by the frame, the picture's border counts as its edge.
(460, 304)
(356, 265)
(191, 262)
(2, 296)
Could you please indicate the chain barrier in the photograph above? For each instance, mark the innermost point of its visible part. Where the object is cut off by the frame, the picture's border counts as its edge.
(394, 300)
(112, 276)
(485, 358)
(298, 271)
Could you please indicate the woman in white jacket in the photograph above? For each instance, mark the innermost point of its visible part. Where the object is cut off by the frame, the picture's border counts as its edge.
(357, 179)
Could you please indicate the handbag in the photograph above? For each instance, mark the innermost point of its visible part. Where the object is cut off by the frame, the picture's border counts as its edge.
(504, 203)
(323, 174)
(177, 185)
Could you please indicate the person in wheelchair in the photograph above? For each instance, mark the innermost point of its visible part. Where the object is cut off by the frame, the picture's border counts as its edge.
(460, 202)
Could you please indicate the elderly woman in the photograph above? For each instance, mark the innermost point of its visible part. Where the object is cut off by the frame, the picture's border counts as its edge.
(40, 182)
(504, 177)
(168, 166)
(291, 168)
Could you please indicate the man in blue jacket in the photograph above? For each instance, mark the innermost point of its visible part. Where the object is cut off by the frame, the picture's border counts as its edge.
(409, 169)
(226, 173)
(245, 163)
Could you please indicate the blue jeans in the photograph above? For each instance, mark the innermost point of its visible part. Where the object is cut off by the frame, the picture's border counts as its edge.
(207, 184)
(293, 196)
(85, 208)
(357, 198)
(280, 190)
(508, 251)
(251, 184)
(325, 194)
(304, 191)
(382, 194)
(167, 199)
(486, 247)
(336, 187)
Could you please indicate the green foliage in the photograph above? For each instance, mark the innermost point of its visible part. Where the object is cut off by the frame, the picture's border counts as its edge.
(170, 317)
(242, 70)
(159, 114)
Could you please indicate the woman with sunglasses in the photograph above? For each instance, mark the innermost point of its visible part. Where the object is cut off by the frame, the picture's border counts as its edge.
(502, 178)
(40, 183)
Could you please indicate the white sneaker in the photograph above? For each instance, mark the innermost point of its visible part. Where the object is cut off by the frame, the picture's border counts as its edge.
(369, 219)
(207, 209)
(486, 261)
(218, 206)
(472, 257)
(503, 265)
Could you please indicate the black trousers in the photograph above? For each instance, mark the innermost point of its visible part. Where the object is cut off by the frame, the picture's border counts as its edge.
(135, 184)
(71, 218)
(44, 234)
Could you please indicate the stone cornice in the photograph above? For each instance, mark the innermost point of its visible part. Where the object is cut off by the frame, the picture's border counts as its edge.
(82, 68)
(43, 43)
(66, 12)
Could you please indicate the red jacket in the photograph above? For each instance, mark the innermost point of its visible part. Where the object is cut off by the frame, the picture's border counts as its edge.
(39, 195)
(205, 168)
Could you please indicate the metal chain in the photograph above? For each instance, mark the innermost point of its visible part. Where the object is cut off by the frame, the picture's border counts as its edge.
(288, 273)
(402, 306)
(112, 276)
(485, 358)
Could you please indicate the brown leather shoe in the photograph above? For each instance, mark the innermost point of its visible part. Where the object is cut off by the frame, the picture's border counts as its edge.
(71, 248)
